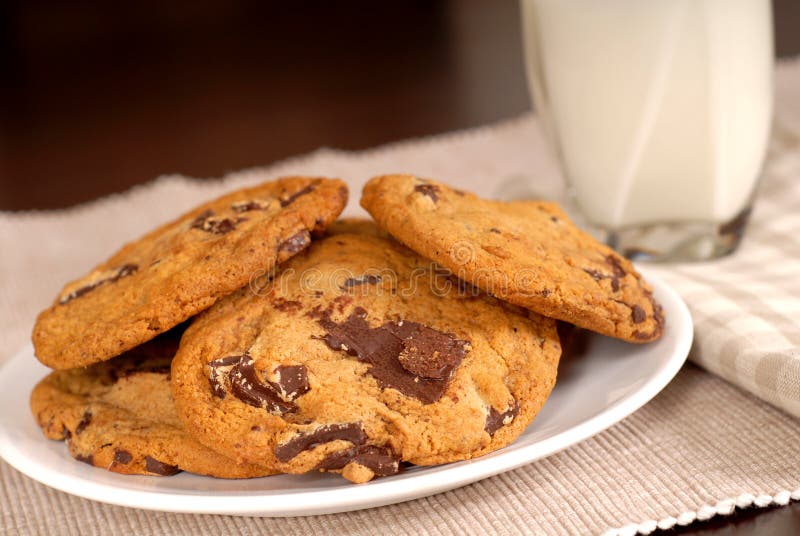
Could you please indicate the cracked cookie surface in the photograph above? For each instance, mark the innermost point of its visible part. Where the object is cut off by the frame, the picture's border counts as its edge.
(360, 355)
(119, 415)
(525, 252)
(182, 268)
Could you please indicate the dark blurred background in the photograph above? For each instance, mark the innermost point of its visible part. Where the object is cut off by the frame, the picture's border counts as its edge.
(99, 96)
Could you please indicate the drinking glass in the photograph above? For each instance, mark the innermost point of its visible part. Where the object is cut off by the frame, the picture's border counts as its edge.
(660, 114)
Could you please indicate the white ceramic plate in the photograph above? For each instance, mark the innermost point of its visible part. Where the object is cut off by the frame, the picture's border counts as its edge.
(606, 382)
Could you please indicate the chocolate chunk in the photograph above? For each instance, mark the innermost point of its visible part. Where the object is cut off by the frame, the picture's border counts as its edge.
(638, 315)
(494, 230)
(430, 353)
(247, 387)
(616, 266)
(85, 421)
(598, 275)
(237, 374)
(152, 465)
(216, 225)
(658, 318)
(380, 460)
(337, 460)
(124, 271)
(430, 190)
(247, 206)
(352, 432)
(292, 381)
(115, 275)
(381, 347)
(286, 201)
(296, 242)
(122, 456)
(218, 371)
(89, 458)
(367, 279)
(496, 420)
(289, 306)
(341, 302)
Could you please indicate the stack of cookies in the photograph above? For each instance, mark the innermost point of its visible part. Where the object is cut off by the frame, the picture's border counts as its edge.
(257, 334)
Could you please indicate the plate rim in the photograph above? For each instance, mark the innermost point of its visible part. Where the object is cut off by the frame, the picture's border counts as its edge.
(323, 501)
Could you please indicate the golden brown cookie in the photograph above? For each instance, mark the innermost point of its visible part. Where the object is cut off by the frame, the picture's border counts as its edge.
(525, 252)
(119, 415)
(358, 356)
(183, 267)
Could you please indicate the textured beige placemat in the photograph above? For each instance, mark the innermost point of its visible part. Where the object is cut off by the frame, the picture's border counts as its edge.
(700, 448)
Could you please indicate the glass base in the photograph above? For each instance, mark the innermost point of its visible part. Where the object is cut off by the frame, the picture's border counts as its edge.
(683, 241)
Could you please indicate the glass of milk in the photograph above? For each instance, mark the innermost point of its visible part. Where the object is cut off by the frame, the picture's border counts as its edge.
(660, 113)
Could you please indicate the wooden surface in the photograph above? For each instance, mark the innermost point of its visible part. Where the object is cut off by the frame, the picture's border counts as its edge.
(98, 97)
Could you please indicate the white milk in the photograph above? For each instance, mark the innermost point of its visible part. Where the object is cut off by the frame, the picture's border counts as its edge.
(660, 109)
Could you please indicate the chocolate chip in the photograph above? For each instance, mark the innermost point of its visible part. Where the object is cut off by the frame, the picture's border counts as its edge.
(292, 381)
(122, 456)
(247, 206)
(638, 315)
(152, 465)
(89, 458)
(494, 230)
(496, 420)
(352, 432)
(114, 275)
(247, 387)
(296, 242)
(429, 190)
(380, 460)
(288, 200)
(381, 347)
(367, 279)
(85, 421)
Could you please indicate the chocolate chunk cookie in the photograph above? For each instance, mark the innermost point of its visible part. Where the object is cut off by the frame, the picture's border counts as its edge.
(527, 253)
(360, 355)
(119, 415)
(183, 267)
